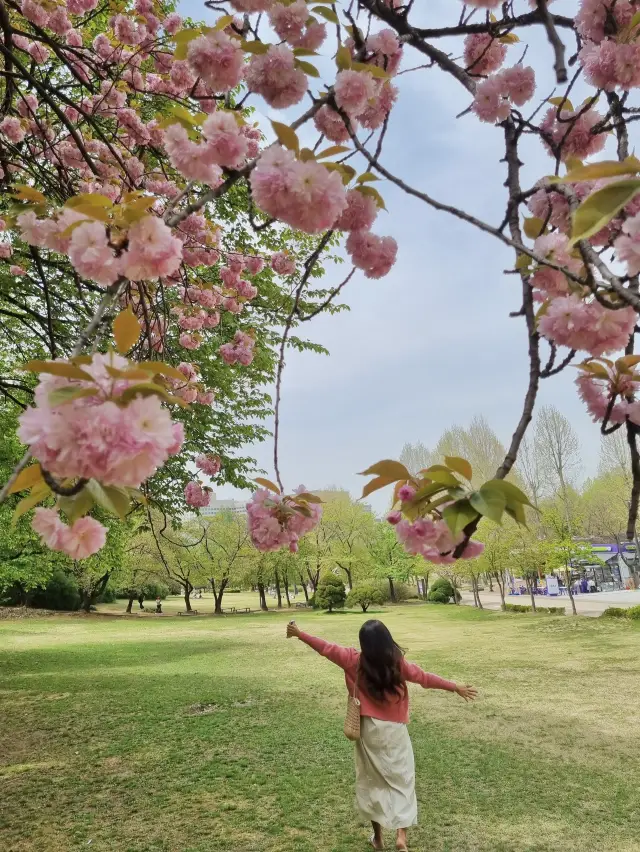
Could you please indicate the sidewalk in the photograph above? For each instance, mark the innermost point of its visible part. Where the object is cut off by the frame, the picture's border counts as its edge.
(590, 604)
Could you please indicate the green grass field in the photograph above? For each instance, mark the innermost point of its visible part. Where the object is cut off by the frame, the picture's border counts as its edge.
(101, 748)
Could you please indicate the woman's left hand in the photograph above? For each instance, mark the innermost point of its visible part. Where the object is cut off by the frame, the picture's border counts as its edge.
(293, 631)
(469, 693)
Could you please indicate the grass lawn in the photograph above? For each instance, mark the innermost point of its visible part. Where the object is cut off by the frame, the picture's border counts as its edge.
(100, 747)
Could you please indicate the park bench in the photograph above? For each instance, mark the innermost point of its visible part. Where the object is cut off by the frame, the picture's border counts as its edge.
(302, 606)
(193, 612)
(237, 609)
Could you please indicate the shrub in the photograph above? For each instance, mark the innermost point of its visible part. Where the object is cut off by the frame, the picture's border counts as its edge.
(550, 610)
(405, 592)
(517, 608)
(331, 593)
(634, 613)
(438, 596)
(312, 601)
(616, 612)
(364, 595)
(442, 588)
(61, 593)
(108, 596)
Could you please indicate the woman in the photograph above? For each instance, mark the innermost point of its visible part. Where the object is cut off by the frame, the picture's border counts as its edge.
(385, 770)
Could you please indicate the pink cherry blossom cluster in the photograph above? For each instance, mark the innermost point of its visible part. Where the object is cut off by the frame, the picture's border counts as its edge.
(197, 495)
(82, 539)
(432, 539)
(291, 24)
(571, 132)
(552, 282)
(282, 263)
(276, 522)
(495, 95)
(483, 54)
(190, 390)
(209, 464)
(597, 392)
(588, 326)
(610, 54)
(99, 434)
(240, 350)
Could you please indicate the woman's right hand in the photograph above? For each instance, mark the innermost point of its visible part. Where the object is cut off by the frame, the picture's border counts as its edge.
(293, 631)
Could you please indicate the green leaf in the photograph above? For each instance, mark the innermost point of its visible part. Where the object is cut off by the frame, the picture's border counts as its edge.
(533, 227)
(564, 103)
(27, 193)
(150, 389)
(302, 51)
(309, 69)
(37, 496)
(512, 492)
(309, 498)
(58, 368)
(374, 70)
(159, 367)
(595, 369)
(126, 330)
(367, 177)
(90, 200)
(490, 502)
(459, 465)
(69, 393)
(329, 14)
(78, 506)
(372, 193)
(182, 40)
(523, 261)
(605, 168)
(343, 58)
(286, 136)
(223, 22)
(27, 478)
(458, 515)
(257, 48)
(440, 473)
(114, 500)
(306, 155)
(599, 208)
(332, 151)
(389, 469)
(516, 511)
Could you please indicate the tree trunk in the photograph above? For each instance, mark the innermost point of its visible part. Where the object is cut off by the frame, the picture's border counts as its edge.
(425, 585)
(286, 591)
(313, 579)
(141, 601)
(392, 590)
(188, 588)
(533, 597)
(490, 578)
(347, 571)
(130, 604)
(218, 593)
(304, 587)
(278, 591)
(476, 591)
(501, 581)
(567, 579)
(86, 600)
(263, 600)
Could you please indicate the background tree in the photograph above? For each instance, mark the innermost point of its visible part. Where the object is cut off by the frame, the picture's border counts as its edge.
(558, 450)
(349, 526)
(331, 593)
(227, 548)
(389, 560)
(365, 595)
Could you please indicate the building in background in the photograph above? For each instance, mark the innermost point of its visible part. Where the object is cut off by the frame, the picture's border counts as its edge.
(216, 506)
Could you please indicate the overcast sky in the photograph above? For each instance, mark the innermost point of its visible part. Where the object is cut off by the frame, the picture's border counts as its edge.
(430, 345)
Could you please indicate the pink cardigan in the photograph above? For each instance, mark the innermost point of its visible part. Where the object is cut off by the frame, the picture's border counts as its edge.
(394, 710)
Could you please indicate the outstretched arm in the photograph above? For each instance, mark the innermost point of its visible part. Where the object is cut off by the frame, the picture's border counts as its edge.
(415, 674)
(342, 657)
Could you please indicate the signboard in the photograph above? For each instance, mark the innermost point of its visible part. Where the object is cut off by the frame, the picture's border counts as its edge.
(552, 585)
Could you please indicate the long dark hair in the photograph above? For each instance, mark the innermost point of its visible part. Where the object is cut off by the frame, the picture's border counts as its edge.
(381, 662)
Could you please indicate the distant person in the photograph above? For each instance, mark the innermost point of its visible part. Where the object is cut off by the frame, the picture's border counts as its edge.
(141, 601)
(592, 585)
(158, 605)
(385, 769)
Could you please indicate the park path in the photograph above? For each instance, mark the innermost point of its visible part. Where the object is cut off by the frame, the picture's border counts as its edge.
(590, 604)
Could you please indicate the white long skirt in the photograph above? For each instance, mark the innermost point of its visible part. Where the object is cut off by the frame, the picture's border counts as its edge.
(385, 774)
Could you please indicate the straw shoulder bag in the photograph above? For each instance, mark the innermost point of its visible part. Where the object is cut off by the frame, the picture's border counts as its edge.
(352, 719)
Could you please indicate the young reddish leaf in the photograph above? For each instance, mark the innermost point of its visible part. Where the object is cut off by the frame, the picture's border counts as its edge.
(375, 485)
(126, 330)
(309, 498)
(389, 469)
(266, 483)
(459, 465)
(27, 478)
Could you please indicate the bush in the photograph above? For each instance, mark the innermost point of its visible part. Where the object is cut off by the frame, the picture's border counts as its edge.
(551, 610)
(517, 608)
(405, 592)
(616, 612)
(312, 601)
(438, 596)
(331, 593)
(365, 595)
(634, 613)
(61, 593)
(442, 588)
(108, 596)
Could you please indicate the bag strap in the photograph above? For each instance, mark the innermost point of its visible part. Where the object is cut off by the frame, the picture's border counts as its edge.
(355, 685)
